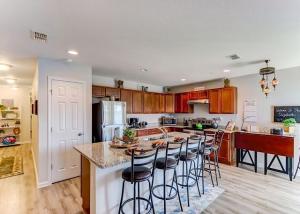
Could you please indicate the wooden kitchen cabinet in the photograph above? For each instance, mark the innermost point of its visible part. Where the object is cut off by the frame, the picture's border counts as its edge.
(109, 92)
(229, 100)
(181, 102)
(162, 103)
(137, 102)
(98, 91)
(223, 101)
(196, 95)
(214, 96)
(155, 103)
(148, 103)
(126, 96)
(169, 103)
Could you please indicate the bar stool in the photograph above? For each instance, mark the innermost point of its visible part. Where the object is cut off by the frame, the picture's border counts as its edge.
(136, 174)
(168, 162)
(210, 139)
(204, 155)
(217, 147)
(189, 157)
(298, 167)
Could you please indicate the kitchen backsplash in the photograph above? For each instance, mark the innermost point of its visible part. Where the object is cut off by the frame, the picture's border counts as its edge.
(151, 119)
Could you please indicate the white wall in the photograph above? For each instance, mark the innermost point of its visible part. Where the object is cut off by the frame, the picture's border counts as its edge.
(21, 97)
(287, 93)
(70, 71)
(152, 119)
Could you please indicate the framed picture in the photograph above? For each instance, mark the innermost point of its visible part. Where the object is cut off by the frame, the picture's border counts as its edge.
(230, 126)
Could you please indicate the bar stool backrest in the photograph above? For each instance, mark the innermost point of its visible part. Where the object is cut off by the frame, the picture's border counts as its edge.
(192, 143)
(209, 139)
(173, 151)
(219, 138)
(143, 160)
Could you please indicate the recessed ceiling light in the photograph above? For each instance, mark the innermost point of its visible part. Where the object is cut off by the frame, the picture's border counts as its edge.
(72, 52)
(10, 81)
(226, 71)
(69, 60)
(183, 79)
(144, 70)
(15, 88)
(5, 67)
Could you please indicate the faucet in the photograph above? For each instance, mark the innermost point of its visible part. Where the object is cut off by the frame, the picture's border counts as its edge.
(164, 131)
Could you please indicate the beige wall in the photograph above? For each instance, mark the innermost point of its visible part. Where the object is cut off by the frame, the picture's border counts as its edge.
(21, 97)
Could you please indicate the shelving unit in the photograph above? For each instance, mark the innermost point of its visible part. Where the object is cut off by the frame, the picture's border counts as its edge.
(9, 124)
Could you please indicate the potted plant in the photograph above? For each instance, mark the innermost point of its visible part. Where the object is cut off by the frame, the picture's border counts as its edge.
(226, 82)
(289, 125)
(128, 135)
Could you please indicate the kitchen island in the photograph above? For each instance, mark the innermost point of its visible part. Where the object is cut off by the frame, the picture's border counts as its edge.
(101, 179)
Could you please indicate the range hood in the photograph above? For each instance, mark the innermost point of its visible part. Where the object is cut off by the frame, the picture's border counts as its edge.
(199, 101)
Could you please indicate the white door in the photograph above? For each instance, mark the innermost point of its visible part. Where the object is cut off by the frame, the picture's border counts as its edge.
(66, 128)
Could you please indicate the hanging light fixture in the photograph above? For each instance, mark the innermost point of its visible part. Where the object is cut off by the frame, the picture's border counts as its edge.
(264, 82)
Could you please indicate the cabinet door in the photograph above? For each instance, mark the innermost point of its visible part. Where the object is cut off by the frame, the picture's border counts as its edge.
(126, 96)
(98, 91)
(137, 102)
(155, 103)
(162, 103)
(169, 103)
(186, 108)
(112, 92)
(148, 102)
(215, 101)
(178, 106)
(229, 100)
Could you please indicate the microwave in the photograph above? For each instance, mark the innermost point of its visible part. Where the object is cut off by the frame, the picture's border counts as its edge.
(168, 121)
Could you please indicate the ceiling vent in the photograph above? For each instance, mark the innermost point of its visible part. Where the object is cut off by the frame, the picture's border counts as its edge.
(39, 36)
(234, 56)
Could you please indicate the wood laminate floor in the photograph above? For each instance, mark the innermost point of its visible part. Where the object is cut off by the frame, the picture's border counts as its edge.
(245, 192)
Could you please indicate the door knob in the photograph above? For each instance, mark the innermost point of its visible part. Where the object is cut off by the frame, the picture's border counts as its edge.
(80, 134)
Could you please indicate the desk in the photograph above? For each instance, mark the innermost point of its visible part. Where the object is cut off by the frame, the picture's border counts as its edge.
(267, 144)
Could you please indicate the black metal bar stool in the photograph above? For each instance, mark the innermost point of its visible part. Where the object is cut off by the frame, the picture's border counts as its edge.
(136, 174)
(168, 162)
(209, 142)
(217, 147)
(189, 157)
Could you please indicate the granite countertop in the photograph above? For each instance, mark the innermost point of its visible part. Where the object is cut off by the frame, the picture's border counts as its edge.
(266, 133)
(104, 156)
(161, 126)
(215, 130)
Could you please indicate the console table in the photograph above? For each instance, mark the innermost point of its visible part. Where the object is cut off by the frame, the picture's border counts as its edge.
(276, 145)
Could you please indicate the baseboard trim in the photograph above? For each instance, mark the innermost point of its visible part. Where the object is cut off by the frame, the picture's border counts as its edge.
(43, 184)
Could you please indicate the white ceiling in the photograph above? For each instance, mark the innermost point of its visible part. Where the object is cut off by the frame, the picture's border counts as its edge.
(173, 39)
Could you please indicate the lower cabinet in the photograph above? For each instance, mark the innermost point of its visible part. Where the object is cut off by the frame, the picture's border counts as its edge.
(226, 154)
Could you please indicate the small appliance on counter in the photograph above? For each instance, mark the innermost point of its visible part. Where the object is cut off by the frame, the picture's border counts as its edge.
(143, 124)
(133, 122)
(276, 131)
(205, 123)
(168, 121)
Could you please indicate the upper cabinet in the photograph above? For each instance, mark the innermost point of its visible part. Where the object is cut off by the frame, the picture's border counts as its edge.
(214, 96)
(169, 103)
(196, 95)
(162, 103)
(148, 103)
(223, 101)
(126, 96)
(112, 92)
(181, 103)
(98, 91)
(137, 102)
(229, 100)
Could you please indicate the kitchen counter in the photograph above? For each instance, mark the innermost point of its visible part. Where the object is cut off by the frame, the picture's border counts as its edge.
(101, 175)
(103, 156)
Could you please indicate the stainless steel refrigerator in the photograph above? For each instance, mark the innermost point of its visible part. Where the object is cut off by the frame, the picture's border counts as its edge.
(109, 119)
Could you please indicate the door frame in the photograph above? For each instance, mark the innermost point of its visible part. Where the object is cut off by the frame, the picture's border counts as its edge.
(49, 88)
